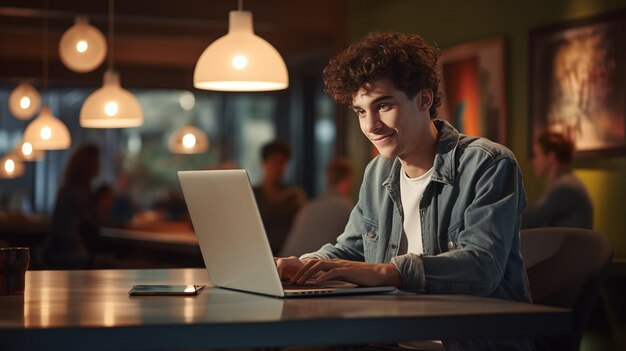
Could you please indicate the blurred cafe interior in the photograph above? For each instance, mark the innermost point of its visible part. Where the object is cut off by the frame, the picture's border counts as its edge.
(150, 56)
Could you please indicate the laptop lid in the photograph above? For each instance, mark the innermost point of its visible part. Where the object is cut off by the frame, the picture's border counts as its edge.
(232, 238)
(230, 231)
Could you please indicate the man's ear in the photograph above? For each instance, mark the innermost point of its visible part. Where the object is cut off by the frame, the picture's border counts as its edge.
(425, 99)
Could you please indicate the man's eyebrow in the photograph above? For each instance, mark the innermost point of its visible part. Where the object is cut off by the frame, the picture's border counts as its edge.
(377, 100)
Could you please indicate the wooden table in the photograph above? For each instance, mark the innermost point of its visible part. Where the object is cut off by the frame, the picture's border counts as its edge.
(78, 310)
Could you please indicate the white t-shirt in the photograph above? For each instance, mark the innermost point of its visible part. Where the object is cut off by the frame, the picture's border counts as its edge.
(411, 192)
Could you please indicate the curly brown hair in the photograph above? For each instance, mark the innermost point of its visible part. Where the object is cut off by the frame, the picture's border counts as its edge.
(407, 59)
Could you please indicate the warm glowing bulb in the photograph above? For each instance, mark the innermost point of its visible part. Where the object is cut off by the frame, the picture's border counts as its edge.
(189, 140)
(45, 133)
(24, 102)
(27, 148)
(9, 166)
(82, 46)
(240, 62)
(110, 108)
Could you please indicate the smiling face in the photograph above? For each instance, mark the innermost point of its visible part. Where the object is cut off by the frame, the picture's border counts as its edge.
(397, 125)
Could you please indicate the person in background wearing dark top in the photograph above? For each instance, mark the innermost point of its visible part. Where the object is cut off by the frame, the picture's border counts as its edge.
(565, 203)
(438, 212)
(74, 223)
(122, 209)
(278, 203)
(321, 220)
(104, 197)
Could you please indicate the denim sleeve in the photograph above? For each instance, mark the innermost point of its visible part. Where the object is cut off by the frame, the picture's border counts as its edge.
(411, 270)
(476, 264)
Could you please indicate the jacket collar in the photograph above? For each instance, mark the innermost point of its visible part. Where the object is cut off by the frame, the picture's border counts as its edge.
(443, 166)
(444, 169)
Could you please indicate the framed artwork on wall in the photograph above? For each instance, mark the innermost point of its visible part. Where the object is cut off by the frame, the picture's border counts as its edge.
(474, 88)
(578, 82)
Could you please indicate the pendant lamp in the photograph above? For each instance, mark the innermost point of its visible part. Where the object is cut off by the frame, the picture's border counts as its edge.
(27, 153)
(11, 166)
(240, 60)
(82, 47)
(111, 106)
(188, 140)
(24, 101)
(46, 132)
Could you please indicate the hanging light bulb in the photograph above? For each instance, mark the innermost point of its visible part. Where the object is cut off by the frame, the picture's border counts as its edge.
(27, 153)
(24, 101)
(11, 166)
(82, 47)
(47, 132)
(111, 106)
(240, 60)
(188, 140)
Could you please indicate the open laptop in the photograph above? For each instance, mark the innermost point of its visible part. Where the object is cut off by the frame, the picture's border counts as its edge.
(232, 238)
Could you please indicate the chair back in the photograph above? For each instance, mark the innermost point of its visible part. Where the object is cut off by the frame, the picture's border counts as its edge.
(566, 267)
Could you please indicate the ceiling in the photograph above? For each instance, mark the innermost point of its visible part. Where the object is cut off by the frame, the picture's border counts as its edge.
(157, 42)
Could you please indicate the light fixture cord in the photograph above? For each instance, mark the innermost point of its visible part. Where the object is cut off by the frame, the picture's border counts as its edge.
(45, 52)
(111, 39)
(240, 2)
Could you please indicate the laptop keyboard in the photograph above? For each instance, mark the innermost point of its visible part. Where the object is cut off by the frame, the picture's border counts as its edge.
(312, 284)
(307, 285)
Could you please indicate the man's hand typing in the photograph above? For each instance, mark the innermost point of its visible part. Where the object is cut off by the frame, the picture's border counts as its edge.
(360, 273)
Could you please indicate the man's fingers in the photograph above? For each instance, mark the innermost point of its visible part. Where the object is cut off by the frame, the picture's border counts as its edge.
(309, 270)
(287, 266)
(305, 267)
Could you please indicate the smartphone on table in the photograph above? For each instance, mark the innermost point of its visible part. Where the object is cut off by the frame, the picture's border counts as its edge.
(165, 290)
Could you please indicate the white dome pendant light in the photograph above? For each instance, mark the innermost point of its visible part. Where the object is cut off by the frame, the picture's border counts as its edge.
(47, 132)
(82, 47)
(188, 140)
(24, 101)
(111, 106)
(240, 60)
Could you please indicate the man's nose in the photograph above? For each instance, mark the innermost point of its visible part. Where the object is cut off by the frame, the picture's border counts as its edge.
(372, 123)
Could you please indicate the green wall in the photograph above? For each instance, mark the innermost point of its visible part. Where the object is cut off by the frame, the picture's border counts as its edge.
(451, 22)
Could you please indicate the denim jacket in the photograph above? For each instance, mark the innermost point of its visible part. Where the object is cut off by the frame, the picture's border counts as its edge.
(470, 217)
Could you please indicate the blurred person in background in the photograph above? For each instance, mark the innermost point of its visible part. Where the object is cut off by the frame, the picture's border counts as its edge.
(122, 207)
(321, 220)
(277, 202)
(565, 202)
(74, 224)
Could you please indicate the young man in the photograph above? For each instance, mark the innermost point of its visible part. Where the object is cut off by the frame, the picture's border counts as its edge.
(566, 202)
(438, 211)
